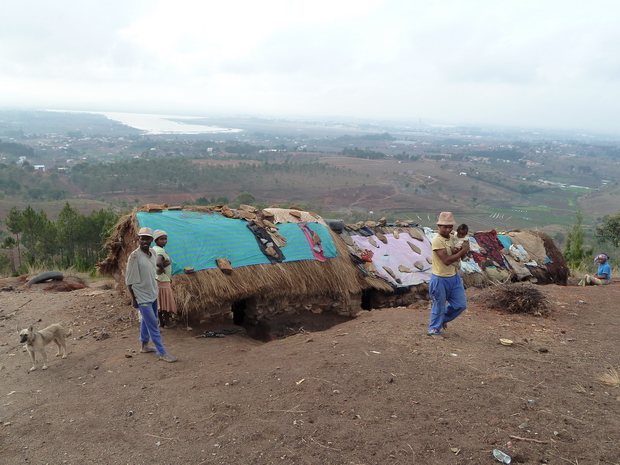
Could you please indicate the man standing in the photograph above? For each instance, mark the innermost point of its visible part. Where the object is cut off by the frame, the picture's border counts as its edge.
(140, 279)
(446, 285)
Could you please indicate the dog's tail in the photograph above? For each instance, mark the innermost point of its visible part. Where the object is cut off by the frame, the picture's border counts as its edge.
(69, 332)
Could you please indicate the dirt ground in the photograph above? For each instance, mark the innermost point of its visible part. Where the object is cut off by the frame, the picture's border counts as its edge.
(371, 390)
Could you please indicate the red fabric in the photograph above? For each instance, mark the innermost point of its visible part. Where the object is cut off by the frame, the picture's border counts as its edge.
(492, 246)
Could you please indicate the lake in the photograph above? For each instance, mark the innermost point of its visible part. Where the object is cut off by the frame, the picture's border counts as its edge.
(160, 124)
(163, 124)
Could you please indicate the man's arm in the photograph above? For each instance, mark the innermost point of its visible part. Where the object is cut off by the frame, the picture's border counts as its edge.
(450, 259)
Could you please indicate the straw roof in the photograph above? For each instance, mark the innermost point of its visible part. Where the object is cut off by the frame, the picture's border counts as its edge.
(197, 293)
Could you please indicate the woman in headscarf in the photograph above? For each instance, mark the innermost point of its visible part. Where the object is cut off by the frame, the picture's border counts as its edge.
(167, 304)
(603, 275)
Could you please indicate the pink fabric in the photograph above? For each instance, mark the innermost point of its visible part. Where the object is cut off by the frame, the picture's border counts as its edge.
(317, 249)
(165, 299)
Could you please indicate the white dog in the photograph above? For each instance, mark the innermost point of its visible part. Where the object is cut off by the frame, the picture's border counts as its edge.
(37, 340)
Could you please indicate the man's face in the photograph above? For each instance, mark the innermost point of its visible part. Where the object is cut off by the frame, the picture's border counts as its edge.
(145, 242)
(445, 230)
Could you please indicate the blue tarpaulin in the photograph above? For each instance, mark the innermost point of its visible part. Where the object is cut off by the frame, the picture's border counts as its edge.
(197, 239)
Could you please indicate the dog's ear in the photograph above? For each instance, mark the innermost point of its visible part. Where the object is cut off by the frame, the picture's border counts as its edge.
(30, 328)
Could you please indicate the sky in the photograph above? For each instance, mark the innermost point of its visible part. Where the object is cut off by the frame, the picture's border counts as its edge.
(542, 63)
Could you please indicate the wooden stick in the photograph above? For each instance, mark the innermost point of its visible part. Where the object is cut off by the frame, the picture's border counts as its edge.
(159, 437)
(528, 439)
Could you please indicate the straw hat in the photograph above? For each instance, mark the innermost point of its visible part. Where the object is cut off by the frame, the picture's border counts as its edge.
(446, 219)
(145, 232)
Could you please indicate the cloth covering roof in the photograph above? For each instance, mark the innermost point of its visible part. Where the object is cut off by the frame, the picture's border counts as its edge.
(534, 245)
(397, 252)
(197, 239)
(492, 247)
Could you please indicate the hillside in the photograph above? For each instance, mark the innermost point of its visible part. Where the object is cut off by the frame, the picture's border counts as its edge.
(498, 179)
(371, 390)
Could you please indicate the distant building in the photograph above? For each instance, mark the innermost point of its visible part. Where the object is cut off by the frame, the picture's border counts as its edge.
(39, 167)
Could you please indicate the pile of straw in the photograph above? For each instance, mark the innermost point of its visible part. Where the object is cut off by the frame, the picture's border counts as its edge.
(519, 298)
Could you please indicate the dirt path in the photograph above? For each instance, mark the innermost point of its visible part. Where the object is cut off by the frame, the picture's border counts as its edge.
(373, 390)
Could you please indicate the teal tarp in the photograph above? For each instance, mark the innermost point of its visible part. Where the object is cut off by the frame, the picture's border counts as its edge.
(198, 239)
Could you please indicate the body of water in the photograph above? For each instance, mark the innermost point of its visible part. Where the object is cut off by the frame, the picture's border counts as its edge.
(162, 124)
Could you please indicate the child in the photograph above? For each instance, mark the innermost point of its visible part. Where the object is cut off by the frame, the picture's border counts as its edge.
(167, 304)
(456, 242)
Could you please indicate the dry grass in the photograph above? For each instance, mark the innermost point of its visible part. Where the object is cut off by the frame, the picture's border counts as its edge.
(519, 298)
(609, 378)
(71, 271)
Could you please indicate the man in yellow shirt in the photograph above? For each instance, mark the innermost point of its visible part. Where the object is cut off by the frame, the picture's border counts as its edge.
(446, 285)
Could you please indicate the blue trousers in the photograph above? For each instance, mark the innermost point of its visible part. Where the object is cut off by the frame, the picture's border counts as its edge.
(444, 290)
(149, 326)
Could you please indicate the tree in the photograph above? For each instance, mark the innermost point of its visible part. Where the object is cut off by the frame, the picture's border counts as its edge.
(575, 251)
(68, 223)
(14, 223)
(609, 230)
(245, 198)
(9, 244)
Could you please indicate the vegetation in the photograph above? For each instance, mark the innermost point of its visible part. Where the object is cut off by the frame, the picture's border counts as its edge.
(16, 150)
(179, 174)
(74, 240)
(609, 230)
(575, 251)
(359, 153)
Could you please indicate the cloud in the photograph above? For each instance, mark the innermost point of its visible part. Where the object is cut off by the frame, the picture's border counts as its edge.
(529, 62)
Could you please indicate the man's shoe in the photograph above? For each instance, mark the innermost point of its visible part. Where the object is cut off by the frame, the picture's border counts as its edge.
(168, 358)
(147, 348)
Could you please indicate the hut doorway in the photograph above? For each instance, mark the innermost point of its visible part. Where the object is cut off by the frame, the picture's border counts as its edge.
(366, 300)
(238, 310)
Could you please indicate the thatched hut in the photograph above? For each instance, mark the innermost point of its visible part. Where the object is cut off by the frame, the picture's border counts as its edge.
(304, 267)
(401, 255)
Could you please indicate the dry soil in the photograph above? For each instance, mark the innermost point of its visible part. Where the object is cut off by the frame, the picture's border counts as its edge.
(372, 390)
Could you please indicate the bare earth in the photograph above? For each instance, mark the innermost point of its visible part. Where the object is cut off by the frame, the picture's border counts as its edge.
(372, 390)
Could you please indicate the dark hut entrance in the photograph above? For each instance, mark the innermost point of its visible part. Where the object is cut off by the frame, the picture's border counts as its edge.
(238, 309)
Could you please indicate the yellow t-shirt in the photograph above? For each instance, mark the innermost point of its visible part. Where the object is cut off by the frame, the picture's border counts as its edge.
(439, 267)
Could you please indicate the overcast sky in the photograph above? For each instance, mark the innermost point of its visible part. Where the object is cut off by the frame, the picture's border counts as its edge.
(541, 63)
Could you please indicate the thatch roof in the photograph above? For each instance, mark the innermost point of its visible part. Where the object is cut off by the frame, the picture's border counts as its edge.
(198, 292)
